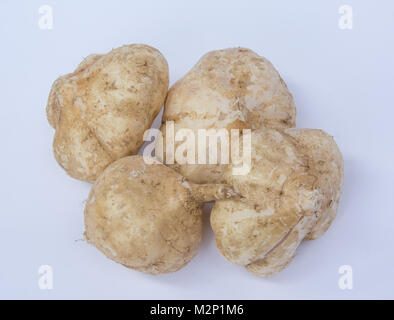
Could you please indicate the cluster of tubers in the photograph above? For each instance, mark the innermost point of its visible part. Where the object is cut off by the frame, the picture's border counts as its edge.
(148, 216)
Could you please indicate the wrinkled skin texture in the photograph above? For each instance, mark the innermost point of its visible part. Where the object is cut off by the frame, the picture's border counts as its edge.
(101, 110)
(147, 216)
(290, 194)
(232, 89)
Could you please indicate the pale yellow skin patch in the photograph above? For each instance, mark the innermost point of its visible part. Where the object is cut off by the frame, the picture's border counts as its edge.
(102, 109)
(291, 194)
(147, 216)
(233, 89)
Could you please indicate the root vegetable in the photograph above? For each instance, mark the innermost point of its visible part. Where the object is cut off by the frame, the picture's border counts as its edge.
(147, 217)
(291, 194)
(101, 110)
(232, 89)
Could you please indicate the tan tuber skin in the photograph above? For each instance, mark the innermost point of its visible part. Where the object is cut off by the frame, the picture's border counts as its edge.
(231, 89)
(147, 216)
(101, 110)
(290, 194)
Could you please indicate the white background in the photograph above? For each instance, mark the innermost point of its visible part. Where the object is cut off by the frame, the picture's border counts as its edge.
(342, 82)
